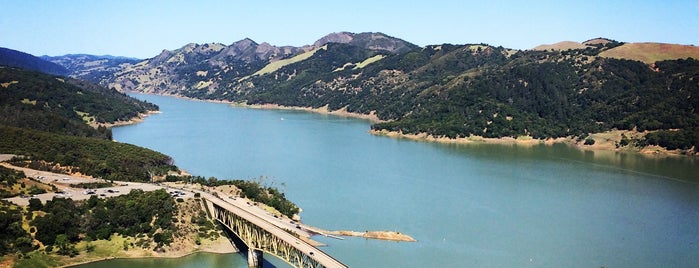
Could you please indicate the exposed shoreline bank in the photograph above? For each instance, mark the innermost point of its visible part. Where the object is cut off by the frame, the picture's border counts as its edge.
(183, 245)
(605, 141)
(213, 247)
(139, 118)
(116, 246)
(372, 117)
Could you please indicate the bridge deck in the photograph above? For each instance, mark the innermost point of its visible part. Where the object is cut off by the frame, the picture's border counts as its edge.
(309, 250)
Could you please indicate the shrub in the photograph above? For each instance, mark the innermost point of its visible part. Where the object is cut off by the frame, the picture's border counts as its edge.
(589, 141)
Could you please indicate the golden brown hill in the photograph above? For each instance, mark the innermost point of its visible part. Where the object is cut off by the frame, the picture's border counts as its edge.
(565, 45)
(651, 52)
(597, 41)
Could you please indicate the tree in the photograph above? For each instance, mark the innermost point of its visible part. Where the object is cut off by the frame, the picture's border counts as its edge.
(35, 204)
(62, 243)
(64, 246)
(589, 141)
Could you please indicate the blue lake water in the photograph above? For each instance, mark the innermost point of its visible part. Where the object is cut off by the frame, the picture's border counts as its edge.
(467, 205)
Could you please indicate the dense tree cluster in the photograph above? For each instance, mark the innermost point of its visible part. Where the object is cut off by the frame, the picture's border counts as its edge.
(267, 195)
(62, 105)
(255, 190)
(8, 177)
(476, 89)
(457, 91)
(96, 157)
(136, 213)
(13, 238)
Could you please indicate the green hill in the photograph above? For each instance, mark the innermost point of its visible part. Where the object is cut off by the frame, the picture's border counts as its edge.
(55, 104)
(460, 90)
(14, 58)
(45, 118)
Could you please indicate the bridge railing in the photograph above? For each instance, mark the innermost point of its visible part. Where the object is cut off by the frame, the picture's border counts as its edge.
(260, 234)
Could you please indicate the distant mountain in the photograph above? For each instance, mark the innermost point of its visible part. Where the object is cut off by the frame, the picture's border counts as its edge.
(207, 66)
(197, 66)
(14, 58)
(567, 89)
(90, 67)
(565, 45)
(647, 52)
(371, 41)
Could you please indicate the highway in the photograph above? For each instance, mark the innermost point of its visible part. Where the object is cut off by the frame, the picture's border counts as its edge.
(253, 217)
(239, 206)
(63, 182)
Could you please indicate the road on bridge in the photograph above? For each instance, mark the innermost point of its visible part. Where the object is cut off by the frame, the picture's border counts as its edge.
(253, 217)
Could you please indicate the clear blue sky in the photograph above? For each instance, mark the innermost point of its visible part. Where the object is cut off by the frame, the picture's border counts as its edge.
(144, 28)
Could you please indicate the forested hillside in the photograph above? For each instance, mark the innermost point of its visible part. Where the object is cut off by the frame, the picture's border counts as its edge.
(14, 58)
(454, 91)
(45, 118)
(99, 158)
(55, 104)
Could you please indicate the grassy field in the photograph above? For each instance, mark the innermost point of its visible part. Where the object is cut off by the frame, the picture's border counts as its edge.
(651, 52)
(369, 61)
(103, 249)
(281, 63)
(565, 45)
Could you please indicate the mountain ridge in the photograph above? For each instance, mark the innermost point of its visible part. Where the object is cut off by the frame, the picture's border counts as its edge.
(444, 90)
(15, 58)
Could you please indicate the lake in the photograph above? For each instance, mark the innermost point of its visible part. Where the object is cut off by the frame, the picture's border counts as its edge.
(467, 205)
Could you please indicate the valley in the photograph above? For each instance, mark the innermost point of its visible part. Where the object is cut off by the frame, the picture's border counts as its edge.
(567, 90)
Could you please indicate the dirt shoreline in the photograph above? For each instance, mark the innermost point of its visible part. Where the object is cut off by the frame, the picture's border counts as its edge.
(181, 246)
(135, 120)
(372, 117)
(605, 141)
(322, 110)
(379, 235)
(215, 247)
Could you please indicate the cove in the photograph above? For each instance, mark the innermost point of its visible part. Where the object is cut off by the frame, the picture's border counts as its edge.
(467, 205)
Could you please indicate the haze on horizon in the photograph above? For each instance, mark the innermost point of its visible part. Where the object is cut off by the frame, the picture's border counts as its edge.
(143, 29)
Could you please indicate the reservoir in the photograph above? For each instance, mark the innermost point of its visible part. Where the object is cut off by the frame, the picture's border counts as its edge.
(467, 205)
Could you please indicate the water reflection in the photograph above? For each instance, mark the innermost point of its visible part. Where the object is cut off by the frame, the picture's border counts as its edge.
(661, 166)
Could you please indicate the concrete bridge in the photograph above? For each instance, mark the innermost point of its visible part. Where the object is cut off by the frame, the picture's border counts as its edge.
(262, 236)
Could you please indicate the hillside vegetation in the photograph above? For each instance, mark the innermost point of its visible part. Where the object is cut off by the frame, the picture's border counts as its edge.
(45, 119)
(18, 59)
(99, 158)
(45, 122)
(50, 103)
(652, 52)
(455, 91)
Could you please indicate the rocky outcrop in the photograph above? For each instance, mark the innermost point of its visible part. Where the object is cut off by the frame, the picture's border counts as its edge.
(372, 41)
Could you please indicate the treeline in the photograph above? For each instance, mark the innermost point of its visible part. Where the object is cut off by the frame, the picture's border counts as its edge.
(9, 177)
(13, 238)
(251, 189)
(14, 58)
(62, 105)
(476, 89)
(66, 222)
(91, 156)
(549, 100)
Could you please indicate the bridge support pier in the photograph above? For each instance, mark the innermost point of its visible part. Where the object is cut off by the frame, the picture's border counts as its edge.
(254, 258)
